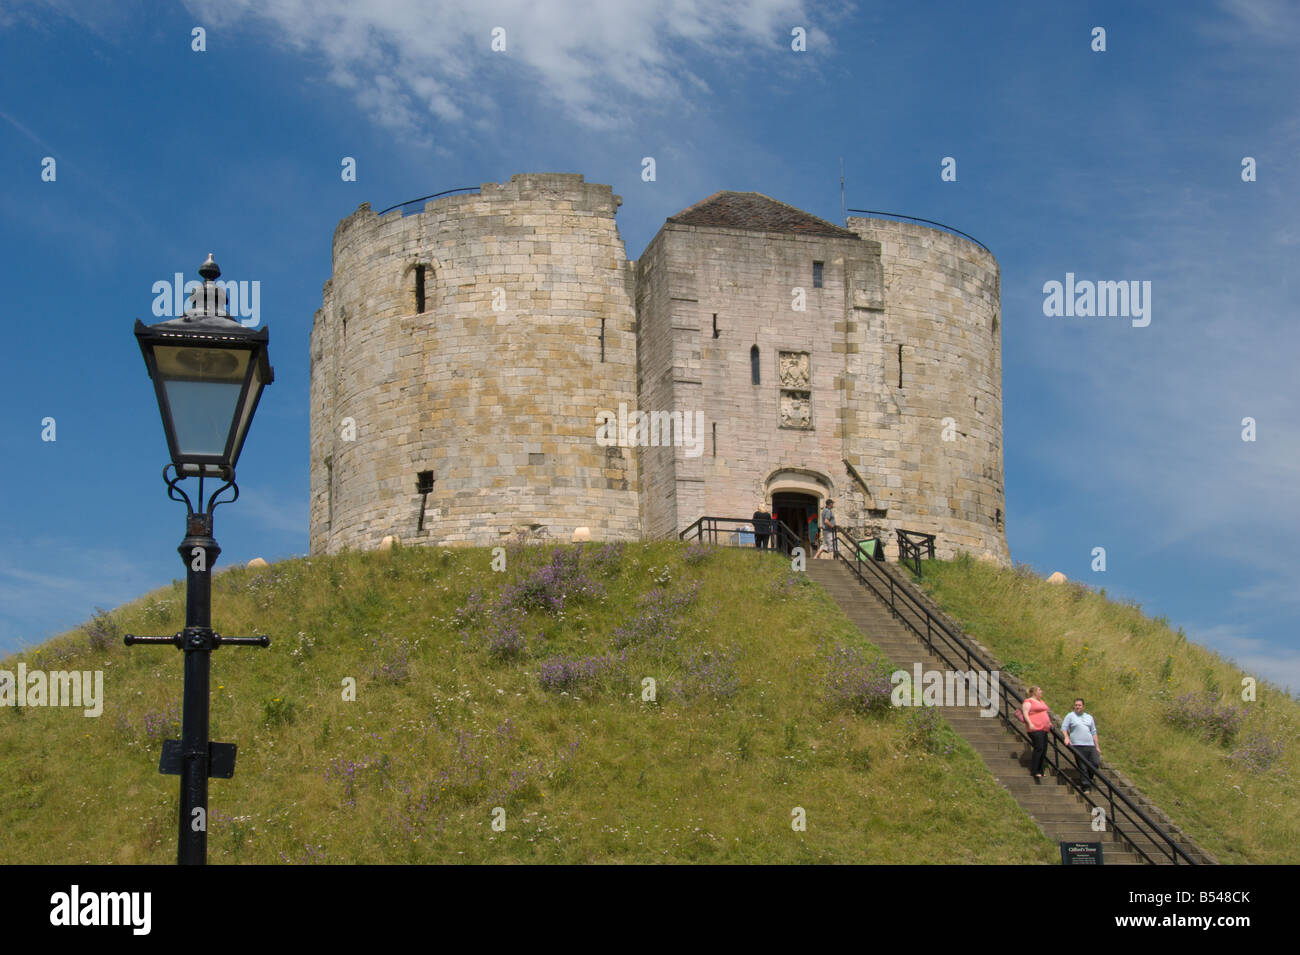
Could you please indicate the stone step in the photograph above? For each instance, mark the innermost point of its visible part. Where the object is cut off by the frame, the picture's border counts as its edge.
(1061, 813)
(1024, 786)
(1043, 809)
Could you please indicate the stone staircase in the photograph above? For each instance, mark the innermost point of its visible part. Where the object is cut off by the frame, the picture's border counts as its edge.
(1059, 811)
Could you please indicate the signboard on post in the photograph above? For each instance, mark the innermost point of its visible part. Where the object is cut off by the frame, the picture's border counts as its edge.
(1081, 853)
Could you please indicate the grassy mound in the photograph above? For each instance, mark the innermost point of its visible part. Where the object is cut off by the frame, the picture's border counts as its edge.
(506, 717)
(1175, 717)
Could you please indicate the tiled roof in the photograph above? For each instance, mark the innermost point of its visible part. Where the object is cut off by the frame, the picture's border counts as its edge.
(756, 212)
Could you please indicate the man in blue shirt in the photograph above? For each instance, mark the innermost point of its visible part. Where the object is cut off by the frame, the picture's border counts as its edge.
(829, 529)
(1080, 731)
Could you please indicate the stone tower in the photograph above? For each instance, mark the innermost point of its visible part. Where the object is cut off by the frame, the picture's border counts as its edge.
(457, 364)
(463, 358)
(860, 364)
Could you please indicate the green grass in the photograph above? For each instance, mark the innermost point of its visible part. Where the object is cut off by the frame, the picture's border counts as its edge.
(442, 732)
(1132, 670)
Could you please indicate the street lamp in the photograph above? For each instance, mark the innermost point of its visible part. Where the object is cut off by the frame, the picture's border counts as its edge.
(208, 372)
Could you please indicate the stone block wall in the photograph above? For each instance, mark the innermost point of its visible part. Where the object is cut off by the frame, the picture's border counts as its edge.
(942, 304)
(494, 387)
(655, 388)
(768, 436)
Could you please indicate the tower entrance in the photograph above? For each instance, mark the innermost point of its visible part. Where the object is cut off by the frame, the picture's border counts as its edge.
(796, 510)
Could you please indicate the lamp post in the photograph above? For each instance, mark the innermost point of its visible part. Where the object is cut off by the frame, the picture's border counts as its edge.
(208, 372)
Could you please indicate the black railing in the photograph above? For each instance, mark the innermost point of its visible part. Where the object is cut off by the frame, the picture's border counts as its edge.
(732, 531)
(432, 195)
(912, 545)
(948, 228)
(956, 652)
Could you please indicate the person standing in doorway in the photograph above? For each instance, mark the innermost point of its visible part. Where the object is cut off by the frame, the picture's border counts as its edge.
(1039, 722)
(762, 529)
(1080, 731)
(829, 528)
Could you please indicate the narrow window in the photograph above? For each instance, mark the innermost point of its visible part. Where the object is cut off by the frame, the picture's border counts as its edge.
(997, 518)
(423, 487)
(602, 339)
(715, 324)
(329, 497)
(753, 364)
(419, 289)
(817, 274)
(900, 366)
(715, 439)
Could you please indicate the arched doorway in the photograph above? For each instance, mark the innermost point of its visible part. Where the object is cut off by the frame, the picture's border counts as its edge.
(796, 510)
(797, 495)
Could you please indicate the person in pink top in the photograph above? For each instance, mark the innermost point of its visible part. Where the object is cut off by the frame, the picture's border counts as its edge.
(1039, 722)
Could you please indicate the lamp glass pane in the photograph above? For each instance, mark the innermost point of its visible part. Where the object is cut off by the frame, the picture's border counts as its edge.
(201, 415)
(246, 412)
(202, 386)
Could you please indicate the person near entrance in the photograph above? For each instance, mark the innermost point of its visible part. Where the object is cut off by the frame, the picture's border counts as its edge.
(829, 528)
(762, 526)
(1080, 731)
(795, 507)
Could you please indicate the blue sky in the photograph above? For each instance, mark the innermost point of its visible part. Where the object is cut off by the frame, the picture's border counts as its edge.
(1123, 164)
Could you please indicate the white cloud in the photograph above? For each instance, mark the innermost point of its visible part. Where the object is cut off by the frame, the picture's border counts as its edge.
(1281, 589)
(1157, 411)
(408, 60)
(1267, 21)
(273, 512)
(1259, 658)
(35, 606)
(70, 168)
(1147, 421)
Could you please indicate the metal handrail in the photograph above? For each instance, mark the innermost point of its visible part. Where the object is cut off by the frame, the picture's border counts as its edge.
(899, 215)
(434, 195)
(910, 545)
(956, 652)
(708, 528)
(939, 640)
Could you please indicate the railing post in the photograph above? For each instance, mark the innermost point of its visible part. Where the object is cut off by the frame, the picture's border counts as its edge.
(1141, 822)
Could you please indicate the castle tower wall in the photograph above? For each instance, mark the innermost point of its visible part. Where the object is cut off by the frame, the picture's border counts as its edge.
(748, 280)
(830, 415)
(658, 367)
(942, 305)
(527, 332)
(475, 344)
